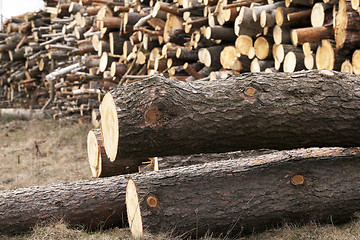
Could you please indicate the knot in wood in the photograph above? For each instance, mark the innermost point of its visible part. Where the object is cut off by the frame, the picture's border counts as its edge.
(250, 91)
(152, 201)
(152, 115)
(297, 180)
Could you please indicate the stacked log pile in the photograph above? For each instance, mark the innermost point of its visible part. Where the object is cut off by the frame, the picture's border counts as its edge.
(75, 51)
(67, 56)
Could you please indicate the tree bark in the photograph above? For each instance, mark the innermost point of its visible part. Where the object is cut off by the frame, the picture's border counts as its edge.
(236, 197)
(95, 204)
(160, 117)
(100, 164)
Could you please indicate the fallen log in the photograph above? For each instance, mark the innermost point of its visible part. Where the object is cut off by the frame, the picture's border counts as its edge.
(100, 203)
(100, 164)
(95, 204)
(297, 186)
(160, 117)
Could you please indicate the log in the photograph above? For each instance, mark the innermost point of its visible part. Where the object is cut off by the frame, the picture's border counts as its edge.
(346, 26)
(164, 113)
(94, 204)
(243, 44)
(321, 14)
(100, 164)
(356, 62)
(192, 201)
(262, 48)
(294, 61)
(311, 34)
(346, 66)
(281, 35)
(326, 57)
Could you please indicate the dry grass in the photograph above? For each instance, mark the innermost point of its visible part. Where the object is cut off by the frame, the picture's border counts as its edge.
(42, 152)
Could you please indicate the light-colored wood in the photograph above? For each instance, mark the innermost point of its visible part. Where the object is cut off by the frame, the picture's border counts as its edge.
(346, 66)
(262, 48)
(243, 44)
(281, 35)
(356, 62)
(293, 61)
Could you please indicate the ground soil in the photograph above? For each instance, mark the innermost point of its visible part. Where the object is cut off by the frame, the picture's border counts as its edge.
(40, 152)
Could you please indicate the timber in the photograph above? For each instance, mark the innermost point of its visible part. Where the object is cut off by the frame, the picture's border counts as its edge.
(180, 199)
(137, 116)
(94, 204)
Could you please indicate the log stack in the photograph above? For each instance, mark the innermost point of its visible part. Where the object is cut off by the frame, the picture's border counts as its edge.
(110, 43)
(76, 54)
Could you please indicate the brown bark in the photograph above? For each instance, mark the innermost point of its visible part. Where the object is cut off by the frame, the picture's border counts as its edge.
(311, 34)
(287, 188)
(100, 164)
(163, 113)
(95, 204)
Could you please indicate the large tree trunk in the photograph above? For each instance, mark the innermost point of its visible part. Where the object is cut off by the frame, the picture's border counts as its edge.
(234, 197)
(160, 117)
(93, 204)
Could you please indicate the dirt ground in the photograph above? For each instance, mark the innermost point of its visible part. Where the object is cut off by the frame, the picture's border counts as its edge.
(40, 152)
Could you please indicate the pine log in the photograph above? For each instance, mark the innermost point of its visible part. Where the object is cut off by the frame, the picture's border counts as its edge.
(309, 61)
(268, 18)
(346, 66)
(228, 56)
(257, 10)
(346, 26)
(100, 164)
(311, 34)
(356, 62)
(220, 32)
(308, 3)
(243, 44)
(94, 204)
(326, 58)
(153, 114)
(193, 201)
(210, 56)
(321, 14)
(294, 61)
(281, 35)
(263, 47)
(283, 49)
(260, 66)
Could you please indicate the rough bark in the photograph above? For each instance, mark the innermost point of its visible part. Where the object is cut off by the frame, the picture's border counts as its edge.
(159, 117)
(236, 197)
(94, 204)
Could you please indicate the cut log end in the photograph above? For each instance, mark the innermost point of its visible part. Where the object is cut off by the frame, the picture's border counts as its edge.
(347, 67)
(133, 210)
(318, 15)
(325, 56)
(109, 126)
(356, 62)
(262, 48)
(289, 62)
(94, 154)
